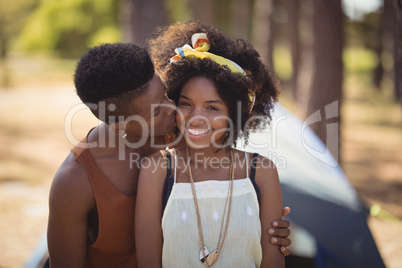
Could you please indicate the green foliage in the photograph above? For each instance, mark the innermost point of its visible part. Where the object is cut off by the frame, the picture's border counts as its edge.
(70, 26)
(179, 10)
(359, 60)
(282, 62)
(12, 19)
(107, 34)
(365, 31)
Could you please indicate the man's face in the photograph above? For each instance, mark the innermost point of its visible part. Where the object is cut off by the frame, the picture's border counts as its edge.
(157, 112)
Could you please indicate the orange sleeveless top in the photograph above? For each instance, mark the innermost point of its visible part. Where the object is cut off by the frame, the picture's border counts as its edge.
(114, 245)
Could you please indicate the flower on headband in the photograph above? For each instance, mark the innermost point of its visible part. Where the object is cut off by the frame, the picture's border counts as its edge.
(200, 49)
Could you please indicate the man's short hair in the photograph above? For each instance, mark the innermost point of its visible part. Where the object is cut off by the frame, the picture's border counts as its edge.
(115, 73)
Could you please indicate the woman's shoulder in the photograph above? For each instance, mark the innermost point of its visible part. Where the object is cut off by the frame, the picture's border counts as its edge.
(265, 169)
(154, 164)
(158, 156)
(265, 163)
(259, 161)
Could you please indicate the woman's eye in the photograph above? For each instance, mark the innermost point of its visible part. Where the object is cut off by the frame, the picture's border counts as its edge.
(213, 108)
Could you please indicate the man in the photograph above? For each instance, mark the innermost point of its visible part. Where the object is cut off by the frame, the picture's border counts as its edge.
(92, 198)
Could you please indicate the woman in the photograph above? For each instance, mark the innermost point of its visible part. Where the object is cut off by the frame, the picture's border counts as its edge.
(215, 199)
(180, 33)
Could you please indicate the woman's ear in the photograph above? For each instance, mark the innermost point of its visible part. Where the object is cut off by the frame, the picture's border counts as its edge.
(119, 128)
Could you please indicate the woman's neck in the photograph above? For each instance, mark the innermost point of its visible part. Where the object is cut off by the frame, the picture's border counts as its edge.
(208, 157)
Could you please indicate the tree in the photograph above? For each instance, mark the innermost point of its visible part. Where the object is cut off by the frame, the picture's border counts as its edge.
(12, 18)
(69, 27)
(241, 18)
(397, 5)
(305, 69)
(204, 11)
(294, 38)
(378, 71)
(326, 91)
(261, 30)
(145, 16)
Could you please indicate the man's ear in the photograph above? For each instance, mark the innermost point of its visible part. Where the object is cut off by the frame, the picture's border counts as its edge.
(119, 128)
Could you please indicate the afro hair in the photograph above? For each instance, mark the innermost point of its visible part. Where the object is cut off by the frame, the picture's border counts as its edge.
(110, 70)
(261, 80)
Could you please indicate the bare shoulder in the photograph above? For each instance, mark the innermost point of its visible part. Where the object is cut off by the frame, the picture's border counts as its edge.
(71, 184)
(70, 201)
(266, 172)
(154, 167)
(155, 156)
(153, 161)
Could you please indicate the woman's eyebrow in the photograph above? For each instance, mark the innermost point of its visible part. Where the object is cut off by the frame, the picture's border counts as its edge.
(214, 101)
(210, 101)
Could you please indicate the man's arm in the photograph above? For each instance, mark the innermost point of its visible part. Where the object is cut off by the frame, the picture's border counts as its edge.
(148, 213)
(70, 201)
(280, 232)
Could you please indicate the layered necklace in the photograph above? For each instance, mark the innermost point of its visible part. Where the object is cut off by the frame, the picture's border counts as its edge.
(209, 259)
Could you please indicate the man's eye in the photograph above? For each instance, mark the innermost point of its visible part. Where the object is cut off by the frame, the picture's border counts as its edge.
(156, 111)
(183, 103)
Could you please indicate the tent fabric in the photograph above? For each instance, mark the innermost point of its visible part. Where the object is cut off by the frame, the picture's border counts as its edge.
(321, 199)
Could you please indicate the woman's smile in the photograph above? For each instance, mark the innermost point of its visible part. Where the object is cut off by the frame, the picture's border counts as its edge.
(197, 133)
(202, 115)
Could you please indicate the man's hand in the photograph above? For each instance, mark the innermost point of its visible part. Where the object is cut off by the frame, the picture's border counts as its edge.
(280, 232)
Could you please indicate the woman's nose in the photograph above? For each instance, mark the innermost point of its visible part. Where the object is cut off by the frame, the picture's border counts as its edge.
(197, 118)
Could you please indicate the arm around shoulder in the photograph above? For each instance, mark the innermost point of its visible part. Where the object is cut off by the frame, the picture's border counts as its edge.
(70, 202)
(148, 211)
(270, 209)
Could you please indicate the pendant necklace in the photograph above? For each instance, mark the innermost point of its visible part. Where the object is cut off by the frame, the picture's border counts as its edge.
(207, 258)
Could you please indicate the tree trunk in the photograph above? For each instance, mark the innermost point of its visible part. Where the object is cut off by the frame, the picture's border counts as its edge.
(4, 77)
(125, 20)
(204, 11)
(306, 66)
(261, 30)
(145, 16)
(241, 19)
(326, 92)
(398, 49)
(271, 40)
(294, 38)
(378, 71)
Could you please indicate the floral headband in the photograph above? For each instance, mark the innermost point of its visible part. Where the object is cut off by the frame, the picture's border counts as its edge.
(200, 49)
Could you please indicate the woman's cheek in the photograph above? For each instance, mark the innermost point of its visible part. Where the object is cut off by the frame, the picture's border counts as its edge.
(180, 121)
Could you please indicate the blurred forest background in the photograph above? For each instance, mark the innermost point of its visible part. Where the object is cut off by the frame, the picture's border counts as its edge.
(347, 54)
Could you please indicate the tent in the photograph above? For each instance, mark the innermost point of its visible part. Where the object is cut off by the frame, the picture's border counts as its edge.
(328, 221)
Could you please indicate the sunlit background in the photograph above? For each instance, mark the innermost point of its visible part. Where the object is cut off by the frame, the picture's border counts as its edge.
(41, 41)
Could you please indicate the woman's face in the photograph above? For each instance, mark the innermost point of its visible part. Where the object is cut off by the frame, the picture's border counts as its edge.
(202, 116)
